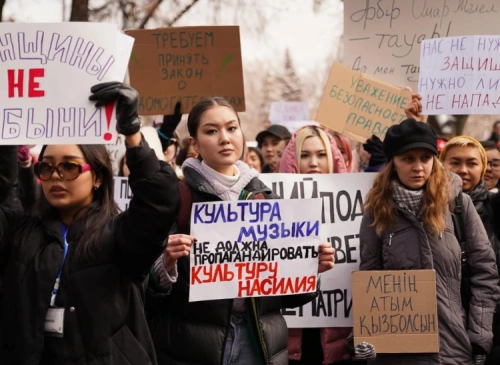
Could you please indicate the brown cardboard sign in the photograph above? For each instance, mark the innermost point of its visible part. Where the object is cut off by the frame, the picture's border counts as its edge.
(396, 311)
(360, 106)
(186, 64)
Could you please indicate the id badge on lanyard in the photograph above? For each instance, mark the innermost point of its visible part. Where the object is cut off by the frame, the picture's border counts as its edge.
(54, 320)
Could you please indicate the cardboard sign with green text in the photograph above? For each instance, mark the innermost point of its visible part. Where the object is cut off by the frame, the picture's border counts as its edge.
(360, 106)
(186, 64)
(396, 311)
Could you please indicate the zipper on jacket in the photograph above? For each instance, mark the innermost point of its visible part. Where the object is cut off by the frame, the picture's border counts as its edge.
(397, 233)
(259, 330)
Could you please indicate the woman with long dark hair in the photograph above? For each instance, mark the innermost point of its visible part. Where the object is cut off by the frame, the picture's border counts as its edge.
(73, 273)
(241, 331)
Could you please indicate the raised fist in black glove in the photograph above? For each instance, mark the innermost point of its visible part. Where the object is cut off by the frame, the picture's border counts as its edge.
(169, 125)
(127, 117)
(375, 148)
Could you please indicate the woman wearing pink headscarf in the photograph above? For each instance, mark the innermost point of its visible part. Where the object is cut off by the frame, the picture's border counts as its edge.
(344, 146)
(313, 150)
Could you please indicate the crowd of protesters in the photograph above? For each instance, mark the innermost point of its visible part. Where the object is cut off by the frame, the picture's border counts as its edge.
(82, 283)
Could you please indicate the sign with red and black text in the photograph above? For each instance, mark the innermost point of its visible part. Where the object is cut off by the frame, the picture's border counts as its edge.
(253, 248)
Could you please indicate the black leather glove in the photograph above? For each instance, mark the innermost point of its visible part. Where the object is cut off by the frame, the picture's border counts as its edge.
(127, 117)
(478, 355)
(169, 125)
(375, 148)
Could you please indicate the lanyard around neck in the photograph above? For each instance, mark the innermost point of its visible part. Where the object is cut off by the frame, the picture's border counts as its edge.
(64, 231)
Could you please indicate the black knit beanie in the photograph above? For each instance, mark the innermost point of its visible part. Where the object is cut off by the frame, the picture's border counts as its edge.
(408, 135)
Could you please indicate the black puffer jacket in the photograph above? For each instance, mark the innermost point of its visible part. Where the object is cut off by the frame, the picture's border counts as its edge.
(187, 333)
(483, 202)
(23, 195)
(104, 322)
(486, 204)
(8, 170)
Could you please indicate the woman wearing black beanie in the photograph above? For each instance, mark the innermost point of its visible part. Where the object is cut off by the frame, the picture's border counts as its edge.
(407, 226)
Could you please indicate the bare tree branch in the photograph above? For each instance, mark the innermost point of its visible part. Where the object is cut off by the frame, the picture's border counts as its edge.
(125, 15)
(79, 11)
(149, 14)
(181, 13)
(100, 9)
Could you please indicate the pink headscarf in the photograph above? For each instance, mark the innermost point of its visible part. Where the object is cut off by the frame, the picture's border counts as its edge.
(288, 162)
(347, 146)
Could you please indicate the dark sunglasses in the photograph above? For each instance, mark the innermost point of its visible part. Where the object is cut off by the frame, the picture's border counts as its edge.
(66, 170)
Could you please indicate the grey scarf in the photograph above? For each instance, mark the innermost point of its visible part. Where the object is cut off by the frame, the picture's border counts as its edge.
(223, 192)
(411, 200)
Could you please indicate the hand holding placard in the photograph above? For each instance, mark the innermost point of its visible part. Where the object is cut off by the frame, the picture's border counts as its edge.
(326, 258)
(414, 108)
(178, 245)
(127, 117)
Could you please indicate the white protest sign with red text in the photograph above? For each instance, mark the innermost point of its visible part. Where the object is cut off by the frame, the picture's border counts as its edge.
(46, 72)
(254, 248)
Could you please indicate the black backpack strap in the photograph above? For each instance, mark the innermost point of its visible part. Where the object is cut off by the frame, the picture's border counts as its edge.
(184, 217)
(458, 220)
(457, 215)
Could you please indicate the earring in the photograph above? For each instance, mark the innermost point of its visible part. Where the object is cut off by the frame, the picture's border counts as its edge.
(96, 187)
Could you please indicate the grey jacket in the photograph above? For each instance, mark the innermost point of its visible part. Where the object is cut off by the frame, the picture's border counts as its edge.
(409, 246)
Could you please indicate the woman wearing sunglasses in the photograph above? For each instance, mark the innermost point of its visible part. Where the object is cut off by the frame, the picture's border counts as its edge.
(73, 274)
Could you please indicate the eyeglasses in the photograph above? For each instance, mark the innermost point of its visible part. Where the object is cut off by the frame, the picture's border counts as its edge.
(494, 164)
(66, 170)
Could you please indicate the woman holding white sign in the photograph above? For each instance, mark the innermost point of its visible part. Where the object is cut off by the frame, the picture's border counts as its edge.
(408, 226)
(72, 275)
(243, 331)
(313, 150)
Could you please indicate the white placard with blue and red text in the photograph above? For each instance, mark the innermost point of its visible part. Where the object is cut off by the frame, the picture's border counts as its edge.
(254, 248)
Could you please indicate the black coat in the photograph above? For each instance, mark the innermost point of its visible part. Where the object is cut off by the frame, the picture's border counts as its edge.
(8, 170)
(194, 333)
(103, 297)
(23, 194)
